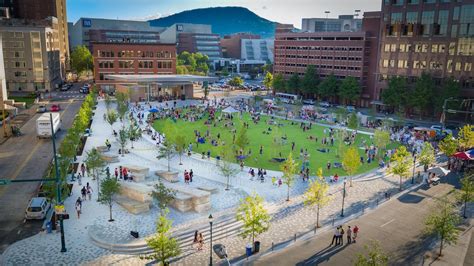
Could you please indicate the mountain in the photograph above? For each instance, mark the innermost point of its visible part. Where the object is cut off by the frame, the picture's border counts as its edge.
(224, 20)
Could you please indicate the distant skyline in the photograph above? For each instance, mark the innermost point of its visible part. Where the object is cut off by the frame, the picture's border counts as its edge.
(283, 11)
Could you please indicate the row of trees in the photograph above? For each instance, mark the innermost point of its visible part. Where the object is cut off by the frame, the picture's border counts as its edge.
(192, 63)
(423, 96)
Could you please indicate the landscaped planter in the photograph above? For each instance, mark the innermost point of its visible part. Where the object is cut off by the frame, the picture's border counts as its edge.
(168, 176)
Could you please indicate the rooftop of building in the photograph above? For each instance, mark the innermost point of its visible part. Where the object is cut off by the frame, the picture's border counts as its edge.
(340, 17)
(15, 22)
(134, 43)
(161, 79)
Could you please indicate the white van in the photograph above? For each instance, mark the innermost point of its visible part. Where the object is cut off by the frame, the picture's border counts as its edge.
(37, 208)
(43, 125)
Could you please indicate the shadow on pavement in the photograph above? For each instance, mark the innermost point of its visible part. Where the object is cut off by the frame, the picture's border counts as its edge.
(322, 255)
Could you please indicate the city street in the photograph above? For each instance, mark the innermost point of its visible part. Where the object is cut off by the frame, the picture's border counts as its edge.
(397, 226)
(22, 158)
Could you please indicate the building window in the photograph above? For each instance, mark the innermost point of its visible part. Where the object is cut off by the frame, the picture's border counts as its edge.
(458, 66)
(393, 48)
(435, 65)
(467, 21)
(442, 27)
(449, 66)
(452, 48)
(468, 67)
(454, 31)
(413, 2)
(456, 13)
(442, 48)
(427, 20)
(434, 48)
(429, 1)
(20, 73)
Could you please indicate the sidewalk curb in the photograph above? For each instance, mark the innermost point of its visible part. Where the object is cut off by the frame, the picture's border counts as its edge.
(310, 234)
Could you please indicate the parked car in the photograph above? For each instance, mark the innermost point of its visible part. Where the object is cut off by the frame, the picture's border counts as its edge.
(84, 90)
(37, 208)
(325, 104)
(439, 130)
(41, 109)
(66, 87)
(55, 108)
(350, 108)
(309, 101)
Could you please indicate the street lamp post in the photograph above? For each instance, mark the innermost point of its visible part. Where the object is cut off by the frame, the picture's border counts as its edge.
(413, 176)
(343, 198)
(210, 240)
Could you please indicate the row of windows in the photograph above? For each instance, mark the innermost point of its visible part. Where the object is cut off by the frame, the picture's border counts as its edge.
(464, 47)
(301, 74)
(321, 38)
(415, 2)
(343, 58)
(127, 53)
(320, 48)
(422, 64)
(132, 64)
(353, 68)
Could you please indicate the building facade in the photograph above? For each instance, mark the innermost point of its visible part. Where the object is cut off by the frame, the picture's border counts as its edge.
(231, 44)
(31, 55)
(434, 36)
(342, 54)
(341, 24)
(257, 49)
(207, 44)
(131, 58)
(3, 81)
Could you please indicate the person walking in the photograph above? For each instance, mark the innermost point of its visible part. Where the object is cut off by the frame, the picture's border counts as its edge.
(78, 209)
(200, 241)
(349, 234)
(83, 193)
(196, 239)
(89, 193)
(341, 236)
(116, 173)
(335, 236)
(355, 231)
(79, 179)
(83, 169)
(191, 174)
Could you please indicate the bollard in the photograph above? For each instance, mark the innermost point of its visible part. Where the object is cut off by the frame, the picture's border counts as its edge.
(295, 238)
(333, 221)
(377, 201)
(272, 245)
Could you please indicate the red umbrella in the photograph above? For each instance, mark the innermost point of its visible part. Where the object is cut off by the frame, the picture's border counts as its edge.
(462, 155)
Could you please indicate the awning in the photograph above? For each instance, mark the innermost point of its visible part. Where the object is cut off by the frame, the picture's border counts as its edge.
(439, 171)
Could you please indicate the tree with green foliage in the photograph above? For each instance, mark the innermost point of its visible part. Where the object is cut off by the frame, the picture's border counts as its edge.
(310, 81)
(294, 84)
(166, 151)
(449, 145)
(268, 80)
(450, 88)
(350, 90)
(466, 137)
(108, 101)
(236, 82)
(375, 256)
(134, 133)
(381, 140)
(329, 87)
(466, 195)
(180, 145)
(279, 83)
(108, 189)
(225, 72)
(427, 155)
(163, 245)
(402, 163)
(353, 122)
(95, 162)
(443, 222)
(351, 162)
(242, 140)
(254, 217)
(317, 194)
(206, 89)
(226, 166)
(289, 168)
(394, 94)
(81, 59)
(123, 137)
(111, 117)
(163, 196)
(421, 96)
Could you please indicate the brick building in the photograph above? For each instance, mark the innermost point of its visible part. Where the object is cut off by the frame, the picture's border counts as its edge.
(232, 44)
(340, 53)
(204, 43)
(434, 36)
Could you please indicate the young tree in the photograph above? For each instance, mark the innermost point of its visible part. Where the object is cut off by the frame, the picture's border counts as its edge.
(108, 102)
(381, 140)
(442, 222)
(134, 133)
(402, 163)
(317, 194)
(353, 122)
(242, 140)
(467, 191)
(167, 150)
(329, 87)
(375, 256)
(123, 136)
(466, 137)
(81, 59)
(95, 163)
(225, 166)
(427, 156)
(163, 245)
(351, 162)
(268, 80)
(163, 195)
(310, 81)
(350, 89)
(108, 189)
(111, 117)
(448, 145)
(179, 146)
(288, 167)
(122, 110)
(293, 84)
(236, 82)
(279, 83)
(254, 216)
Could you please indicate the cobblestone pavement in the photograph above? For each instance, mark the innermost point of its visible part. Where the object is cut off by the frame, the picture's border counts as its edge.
(289, 217)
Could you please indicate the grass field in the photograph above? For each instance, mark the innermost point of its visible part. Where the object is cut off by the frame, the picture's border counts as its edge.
(257, 137)
(28, 100)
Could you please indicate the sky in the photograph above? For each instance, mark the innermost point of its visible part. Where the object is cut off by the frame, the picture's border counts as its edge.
(283, 11)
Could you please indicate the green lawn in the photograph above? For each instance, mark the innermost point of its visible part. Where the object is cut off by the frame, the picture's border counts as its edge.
(257, 137)
(28, 100)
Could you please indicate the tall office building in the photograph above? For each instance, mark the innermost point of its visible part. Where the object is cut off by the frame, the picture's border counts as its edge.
(434, 36)
(204, 43)
(3, 81)
(341, 24)
(257, 49)
(232, 44)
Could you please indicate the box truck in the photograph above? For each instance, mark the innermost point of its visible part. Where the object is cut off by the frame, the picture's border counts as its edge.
(43, 125)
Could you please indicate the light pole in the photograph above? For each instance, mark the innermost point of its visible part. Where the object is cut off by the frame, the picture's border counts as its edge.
(210, 239)
(413, 176)
(343, 198)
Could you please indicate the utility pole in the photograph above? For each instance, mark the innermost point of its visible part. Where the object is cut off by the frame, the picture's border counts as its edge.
(343, 198)
(58, 183)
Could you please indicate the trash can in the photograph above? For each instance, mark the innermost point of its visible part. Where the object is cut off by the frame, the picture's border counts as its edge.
(248, 250)
(49, 228)
(256, 246)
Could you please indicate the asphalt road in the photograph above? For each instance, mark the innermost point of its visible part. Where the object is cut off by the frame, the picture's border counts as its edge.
(397, 226)
(27, 157)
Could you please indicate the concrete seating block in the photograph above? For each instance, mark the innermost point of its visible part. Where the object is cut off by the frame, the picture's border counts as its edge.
(110, 158)
(212, 190)
(102, 149)
(136, 191)
(202, 207)
(137, 169)
(168, 176)
(132, 206)
(200, 200)
(182, 202)
(138, 177)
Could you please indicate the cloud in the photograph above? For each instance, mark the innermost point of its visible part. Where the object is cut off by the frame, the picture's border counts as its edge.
(264, 7)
